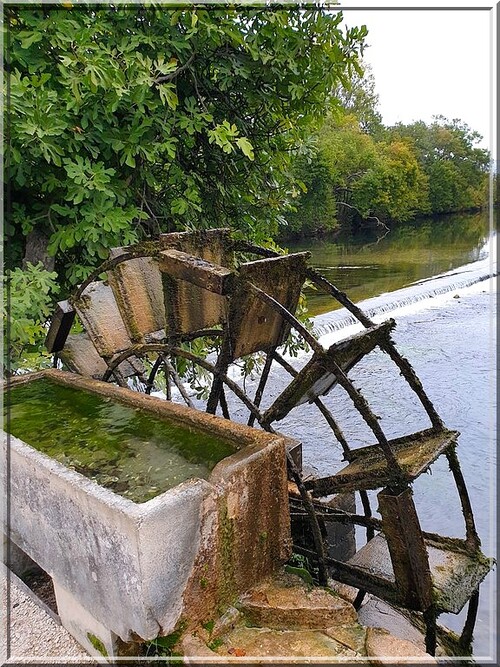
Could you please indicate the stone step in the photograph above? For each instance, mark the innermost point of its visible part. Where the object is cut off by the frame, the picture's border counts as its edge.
(270, 643)
(344, 644)
(286, 602)
(315, 379)
(455, 574)
(369, 469)
(383, 648)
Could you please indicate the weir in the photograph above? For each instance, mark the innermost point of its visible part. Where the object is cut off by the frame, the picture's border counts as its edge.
(422, 290)
(239, 518)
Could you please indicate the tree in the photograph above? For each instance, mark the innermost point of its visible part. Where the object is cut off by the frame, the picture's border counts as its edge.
(315, 211)
(125, 122)
(395, 187)
(456, 168)
(360, 99)
(362, 176)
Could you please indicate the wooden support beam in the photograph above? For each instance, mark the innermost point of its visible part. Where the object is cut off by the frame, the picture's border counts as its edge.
(407, 549)
(60, 326)
(197, 271)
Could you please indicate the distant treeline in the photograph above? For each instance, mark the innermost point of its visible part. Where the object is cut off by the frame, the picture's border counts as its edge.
(360, 171)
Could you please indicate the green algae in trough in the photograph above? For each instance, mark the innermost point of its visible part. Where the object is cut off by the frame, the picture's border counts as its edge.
(119, 447)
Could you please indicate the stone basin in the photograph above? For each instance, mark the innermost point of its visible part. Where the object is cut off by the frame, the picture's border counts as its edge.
(127, 572)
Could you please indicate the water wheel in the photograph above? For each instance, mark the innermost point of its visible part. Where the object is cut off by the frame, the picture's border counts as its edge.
(160, 297)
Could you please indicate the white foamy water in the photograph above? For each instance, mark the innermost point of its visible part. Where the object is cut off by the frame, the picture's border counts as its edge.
(423, 294)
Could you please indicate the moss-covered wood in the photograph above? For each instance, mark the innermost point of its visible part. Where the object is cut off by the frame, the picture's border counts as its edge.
(60, 326)
(316, 378)
(190, 307)
(369, 468)
(138, 291)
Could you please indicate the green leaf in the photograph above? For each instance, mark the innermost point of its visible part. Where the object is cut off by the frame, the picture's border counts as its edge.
(29, 38)
(246, 147)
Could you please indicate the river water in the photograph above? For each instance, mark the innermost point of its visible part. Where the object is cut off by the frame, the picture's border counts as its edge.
(433, 280)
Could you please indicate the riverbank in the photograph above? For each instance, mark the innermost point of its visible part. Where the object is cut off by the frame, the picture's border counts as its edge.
(374, 225)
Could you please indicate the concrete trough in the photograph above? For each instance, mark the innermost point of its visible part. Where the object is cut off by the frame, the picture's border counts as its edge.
(127, 572)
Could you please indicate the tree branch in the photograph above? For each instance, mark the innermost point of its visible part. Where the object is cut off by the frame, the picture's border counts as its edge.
(171, 77)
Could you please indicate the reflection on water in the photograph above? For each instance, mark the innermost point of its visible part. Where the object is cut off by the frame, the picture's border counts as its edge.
(365, 265)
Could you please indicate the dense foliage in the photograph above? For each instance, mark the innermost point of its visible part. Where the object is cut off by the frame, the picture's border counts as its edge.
(456, 168)
(127, 122)
(395, 174)
(28, 294)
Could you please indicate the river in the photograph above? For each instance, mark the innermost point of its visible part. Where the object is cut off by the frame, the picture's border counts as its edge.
(432, 279)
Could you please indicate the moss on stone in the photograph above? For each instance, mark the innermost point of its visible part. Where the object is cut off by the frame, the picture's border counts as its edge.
(98, 644)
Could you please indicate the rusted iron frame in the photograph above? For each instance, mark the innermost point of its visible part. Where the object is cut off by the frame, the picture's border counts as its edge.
(145, 348)
(178, 382)
(455, 544)
(180, 338)
(470, 621)
(320, 405)
(387, 345)
(152, 374)
(240, 245)
(365, 501)
(430, 620)
(357, 577)
(117, 374)
(223, 404)
(222, 364)
(216, 388)
(357, 398)
(119, 378)
(313, 521)
(408, 372)
(193, 335)
(168, 386)
(337, 431)
(343, 517)
(262, 383)
(472, 538)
